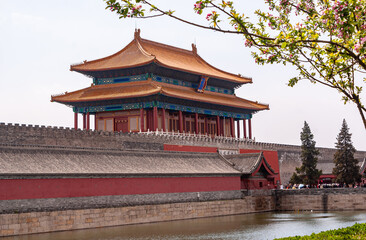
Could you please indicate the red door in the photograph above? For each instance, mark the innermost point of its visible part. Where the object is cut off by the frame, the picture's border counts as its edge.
(121, 124)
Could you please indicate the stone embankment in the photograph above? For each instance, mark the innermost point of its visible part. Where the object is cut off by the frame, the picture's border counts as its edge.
(38, 222)
(251, 202)
(329, 199)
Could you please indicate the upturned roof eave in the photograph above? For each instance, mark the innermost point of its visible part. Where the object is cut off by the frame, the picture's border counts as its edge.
(200, 73)
(212, 102)
(54, 99)
(247, 79)
(58, 98)
(76, 67)
(106, 99)
(256, 166)
(84, 71)
(194, 54)
(264, 106)
(155, 88)
(262, 161)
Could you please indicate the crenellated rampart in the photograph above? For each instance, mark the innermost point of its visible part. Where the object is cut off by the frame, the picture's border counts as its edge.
(21, 134)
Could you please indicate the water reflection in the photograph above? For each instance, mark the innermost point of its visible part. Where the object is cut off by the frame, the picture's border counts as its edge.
(249, 226)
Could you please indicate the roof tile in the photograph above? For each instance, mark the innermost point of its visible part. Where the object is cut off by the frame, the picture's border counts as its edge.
(46, 161)
(141, 52)
(149, 87)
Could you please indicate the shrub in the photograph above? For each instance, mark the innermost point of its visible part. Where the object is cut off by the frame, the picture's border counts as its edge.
(357, 231)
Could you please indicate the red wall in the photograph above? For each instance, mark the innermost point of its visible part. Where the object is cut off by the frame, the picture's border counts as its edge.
(85, 187)
(183, 148)
(270, 156)
(323, 176)
(255, 184)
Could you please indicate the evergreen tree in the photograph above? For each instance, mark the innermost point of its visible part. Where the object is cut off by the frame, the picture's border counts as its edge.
(307, 173)
(346, 167)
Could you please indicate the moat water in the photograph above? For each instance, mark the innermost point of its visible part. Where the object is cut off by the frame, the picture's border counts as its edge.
(249, 226)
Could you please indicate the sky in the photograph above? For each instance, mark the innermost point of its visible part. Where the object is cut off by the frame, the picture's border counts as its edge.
(41, 39)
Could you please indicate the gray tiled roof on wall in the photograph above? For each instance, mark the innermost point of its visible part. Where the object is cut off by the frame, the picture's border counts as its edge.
(245, 163)
(38, 160)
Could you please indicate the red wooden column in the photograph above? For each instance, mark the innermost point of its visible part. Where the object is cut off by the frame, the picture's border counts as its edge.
(149, 120)
(250, 128)
(75, 120)
(95, 121)
(163, 120)
(206, 126)
(155, 118)
(244, 128)
(196, 122)
(232, 127)
(218, 125)
(180, 120)
(88, 121)
(148, 126)
(142, 119)
(84, 121)
(238, 128)
(184, 123)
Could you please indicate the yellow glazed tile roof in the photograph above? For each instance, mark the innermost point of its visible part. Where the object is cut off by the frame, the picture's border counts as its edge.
(148, 88)
(140, 52)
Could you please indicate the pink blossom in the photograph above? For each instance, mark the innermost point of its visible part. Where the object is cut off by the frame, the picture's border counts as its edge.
(248, 43)
(363, 40)
(357, 47)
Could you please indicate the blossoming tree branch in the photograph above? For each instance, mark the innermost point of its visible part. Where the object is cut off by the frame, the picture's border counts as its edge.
(324, 39)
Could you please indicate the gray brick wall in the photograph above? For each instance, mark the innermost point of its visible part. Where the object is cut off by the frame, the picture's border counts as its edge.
(332, 199)
(57, 204)
(38, 222)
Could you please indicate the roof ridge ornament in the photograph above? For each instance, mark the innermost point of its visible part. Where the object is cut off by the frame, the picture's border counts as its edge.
(194, 48)
(137, 33)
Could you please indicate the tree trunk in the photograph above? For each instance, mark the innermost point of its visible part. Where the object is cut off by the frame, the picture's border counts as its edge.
(362, 114)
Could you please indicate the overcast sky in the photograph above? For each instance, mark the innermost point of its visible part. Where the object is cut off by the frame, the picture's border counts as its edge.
(40, 39)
